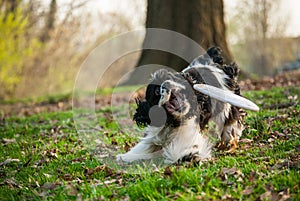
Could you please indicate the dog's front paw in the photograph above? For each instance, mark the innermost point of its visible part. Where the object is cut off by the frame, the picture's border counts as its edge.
(189, 158)
(124, 158)
(120, 159)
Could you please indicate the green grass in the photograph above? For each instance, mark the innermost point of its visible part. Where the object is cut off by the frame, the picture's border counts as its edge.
(54, 163)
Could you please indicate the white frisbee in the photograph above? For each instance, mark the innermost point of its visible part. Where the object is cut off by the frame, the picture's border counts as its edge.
(226, 96)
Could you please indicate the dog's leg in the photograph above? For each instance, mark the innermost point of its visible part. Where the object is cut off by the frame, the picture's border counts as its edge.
(233, 123)
(220, 113)
(232, 131)
(148, 148)
(235, 127)
(143, 150)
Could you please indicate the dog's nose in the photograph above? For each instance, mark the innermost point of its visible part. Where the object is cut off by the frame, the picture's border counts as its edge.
(158, 116)
(164, 95)
(164, 90)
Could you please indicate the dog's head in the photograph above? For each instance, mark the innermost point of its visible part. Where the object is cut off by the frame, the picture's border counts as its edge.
(170, 94)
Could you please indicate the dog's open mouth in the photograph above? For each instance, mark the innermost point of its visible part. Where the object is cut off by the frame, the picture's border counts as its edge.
(175, 103)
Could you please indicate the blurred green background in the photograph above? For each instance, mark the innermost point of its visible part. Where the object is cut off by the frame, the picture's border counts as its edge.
(44, 42)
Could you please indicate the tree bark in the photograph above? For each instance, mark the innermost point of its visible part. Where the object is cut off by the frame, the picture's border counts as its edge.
(200, 20)
(50, 20)
(8, 7)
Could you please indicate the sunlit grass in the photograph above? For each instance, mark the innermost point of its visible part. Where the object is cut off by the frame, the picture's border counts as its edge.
(53, 163)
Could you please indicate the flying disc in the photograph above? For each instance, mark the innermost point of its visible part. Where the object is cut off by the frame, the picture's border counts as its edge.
(226, 96)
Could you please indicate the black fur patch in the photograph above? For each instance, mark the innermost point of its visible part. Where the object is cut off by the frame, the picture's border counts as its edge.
(216, 54)
(200, 103)
(141, 116)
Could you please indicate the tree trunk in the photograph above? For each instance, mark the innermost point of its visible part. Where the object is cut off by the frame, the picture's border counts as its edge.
(50, 20)
(200, 20)
(8, 7)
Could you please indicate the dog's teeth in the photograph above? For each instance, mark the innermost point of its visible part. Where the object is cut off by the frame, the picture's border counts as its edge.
(226, 96)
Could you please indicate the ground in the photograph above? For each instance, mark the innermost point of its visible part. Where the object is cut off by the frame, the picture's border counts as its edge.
(44, 157)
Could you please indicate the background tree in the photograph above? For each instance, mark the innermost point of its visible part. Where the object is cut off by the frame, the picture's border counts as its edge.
(43, 43)
(259, 34)
(50, 20)
(202, 21)
(32, 42)
(14, 48)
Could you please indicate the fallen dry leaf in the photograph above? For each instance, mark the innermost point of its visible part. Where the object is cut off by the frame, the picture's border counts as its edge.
(79, 197)
(114, 141)
(240, 179)
(216, 189)
(9, 161)
(67, 177)
(233, 142)
(248, 190)
(72, 190)
(284, 195)
(11, 183)
(266, 196)
(127, 146)
(103, 168)
(246, 140)
(229, 171)
(49, 186)
(110, 181)
(168, 171)
(252, 176)
(78, 159)
(97, 169)
(47, 175)
(6, 141)
(269, 195)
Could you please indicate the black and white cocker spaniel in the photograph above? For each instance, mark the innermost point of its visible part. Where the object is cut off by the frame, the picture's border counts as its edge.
(179, 106)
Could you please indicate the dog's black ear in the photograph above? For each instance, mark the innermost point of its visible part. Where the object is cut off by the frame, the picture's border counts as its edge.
(216, 54)
(232, 70)
(141, 116)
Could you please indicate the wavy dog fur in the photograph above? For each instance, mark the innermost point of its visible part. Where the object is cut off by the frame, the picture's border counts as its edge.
(188, 112)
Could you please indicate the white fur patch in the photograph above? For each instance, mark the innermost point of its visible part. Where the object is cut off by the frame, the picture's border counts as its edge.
(170, 143)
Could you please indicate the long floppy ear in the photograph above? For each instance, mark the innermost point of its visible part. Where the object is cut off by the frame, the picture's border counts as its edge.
(141, 116)
(226, 96)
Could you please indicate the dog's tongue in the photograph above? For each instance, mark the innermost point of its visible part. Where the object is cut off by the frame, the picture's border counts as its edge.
(170, 108)
(173, 105)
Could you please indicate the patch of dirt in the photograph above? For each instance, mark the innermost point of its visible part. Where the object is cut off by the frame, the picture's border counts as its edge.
(27, 109)
(287, 79)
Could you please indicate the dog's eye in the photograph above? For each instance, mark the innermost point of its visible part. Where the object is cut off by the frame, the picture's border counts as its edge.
(157, 91)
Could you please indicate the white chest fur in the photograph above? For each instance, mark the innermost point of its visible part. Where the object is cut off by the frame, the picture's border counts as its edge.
(170, 143)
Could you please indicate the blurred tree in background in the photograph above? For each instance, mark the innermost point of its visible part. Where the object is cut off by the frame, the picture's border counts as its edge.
(202, 21)
(257, 31)
(15, 46)
(50, 21)
(39, 47)
(44, 42)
